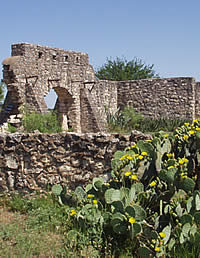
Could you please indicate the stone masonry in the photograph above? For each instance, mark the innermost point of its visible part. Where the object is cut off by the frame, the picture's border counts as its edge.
(32, 70)
(32, 162)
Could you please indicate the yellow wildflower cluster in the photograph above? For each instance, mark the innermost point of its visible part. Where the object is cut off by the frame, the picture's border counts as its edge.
(133, 177)
(166, 135)
(95, 201)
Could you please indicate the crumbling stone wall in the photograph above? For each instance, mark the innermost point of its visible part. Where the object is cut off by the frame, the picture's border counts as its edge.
(32, 162)
(33, 70)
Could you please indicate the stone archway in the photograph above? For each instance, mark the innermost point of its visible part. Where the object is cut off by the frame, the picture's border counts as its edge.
(65, 109)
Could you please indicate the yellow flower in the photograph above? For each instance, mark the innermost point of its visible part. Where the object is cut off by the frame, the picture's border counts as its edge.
(148, 140)
(129, 157)
(133, 146)
(183, 175)
(136, 155)
(162, 234)
(185, 160)
(157, 249)
(191, 132)
(128, 173)
(170, 167)
(197, 128)
(144, 153)
(132, 220)
(95, 201)
(196, 120)
(166, 135)
(186, 124)
(185, 137)
(134, 177)
(73, 212)
(153, 183)
(181, 162)
(123, 157)
(90, 195)
(169, 155)
(140, 157)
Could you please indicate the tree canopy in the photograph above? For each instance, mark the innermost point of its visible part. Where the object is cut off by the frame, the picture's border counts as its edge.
(120, 69)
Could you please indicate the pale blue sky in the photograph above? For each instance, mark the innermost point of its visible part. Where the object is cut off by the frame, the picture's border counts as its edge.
(163, 33)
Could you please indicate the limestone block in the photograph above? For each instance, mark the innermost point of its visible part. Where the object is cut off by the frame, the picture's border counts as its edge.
(11, 162)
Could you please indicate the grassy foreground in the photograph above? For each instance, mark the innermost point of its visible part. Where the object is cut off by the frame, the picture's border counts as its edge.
(35, 227)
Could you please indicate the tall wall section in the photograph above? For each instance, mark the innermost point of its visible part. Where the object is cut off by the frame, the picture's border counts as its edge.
(170, 98)
(95, 98)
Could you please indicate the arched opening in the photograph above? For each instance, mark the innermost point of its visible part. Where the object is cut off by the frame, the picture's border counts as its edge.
(65, 109)
(51, 99)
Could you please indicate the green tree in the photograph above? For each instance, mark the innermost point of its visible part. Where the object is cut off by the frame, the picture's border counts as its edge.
(120, 69)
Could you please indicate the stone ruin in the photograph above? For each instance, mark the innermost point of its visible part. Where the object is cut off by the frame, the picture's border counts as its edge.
(33, 70)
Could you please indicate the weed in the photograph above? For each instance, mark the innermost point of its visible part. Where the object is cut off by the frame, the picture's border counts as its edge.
(45, 123)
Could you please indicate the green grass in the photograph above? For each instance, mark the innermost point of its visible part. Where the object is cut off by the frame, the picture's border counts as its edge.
(37, 227)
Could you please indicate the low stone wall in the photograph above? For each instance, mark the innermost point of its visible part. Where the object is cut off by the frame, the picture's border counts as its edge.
(32, 162)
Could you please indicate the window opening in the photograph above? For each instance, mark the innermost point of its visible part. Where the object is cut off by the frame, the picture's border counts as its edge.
(39, 54)
(66, 58)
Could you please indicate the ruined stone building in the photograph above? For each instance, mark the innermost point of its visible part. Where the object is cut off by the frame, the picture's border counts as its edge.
(33, 70)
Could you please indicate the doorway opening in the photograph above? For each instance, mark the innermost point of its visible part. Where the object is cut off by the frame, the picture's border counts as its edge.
(51, 99)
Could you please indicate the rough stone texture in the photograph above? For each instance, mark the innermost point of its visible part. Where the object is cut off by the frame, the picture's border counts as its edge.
(171, 98)
(33, 70)
(32, 162)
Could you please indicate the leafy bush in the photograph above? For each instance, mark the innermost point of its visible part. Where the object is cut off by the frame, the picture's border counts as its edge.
(128, 119)
(123, 121)
(151, 204)
(45, 123)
